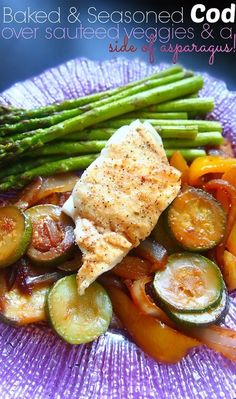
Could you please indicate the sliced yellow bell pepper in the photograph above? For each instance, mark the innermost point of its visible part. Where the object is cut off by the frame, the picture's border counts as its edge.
(158, 340)
(208, 164)
(230, 176)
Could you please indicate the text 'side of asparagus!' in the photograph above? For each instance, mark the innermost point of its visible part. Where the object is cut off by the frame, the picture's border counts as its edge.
(125, 31)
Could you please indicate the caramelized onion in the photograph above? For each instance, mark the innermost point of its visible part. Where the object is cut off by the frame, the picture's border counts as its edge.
(41, 188)
(145, 303)
(132, 267)
(25, 277)
(154, 252)
(218, 338)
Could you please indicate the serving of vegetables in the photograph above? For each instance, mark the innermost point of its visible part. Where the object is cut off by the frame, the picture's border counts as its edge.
(172, 290)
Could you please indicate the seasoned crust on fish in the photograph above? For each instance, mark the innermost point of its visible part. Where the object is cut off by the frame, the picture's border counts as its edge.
(119, 198)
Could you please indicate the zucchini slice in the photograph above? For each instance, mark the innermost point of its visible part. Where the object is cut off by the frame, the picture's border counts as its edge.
(163, 237)
(189, 283)
(211, 316)
(19, 309)
(53, 235)
(78, 319)
(15, 234)
(196, 220)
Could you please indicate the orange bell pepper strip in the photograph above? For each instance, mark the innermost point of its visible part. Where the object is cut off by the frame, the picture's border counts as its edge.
(229, 270)
(208, 164)
(161, 342)
(230, 191)
(231, 241)
(177, 161)
(224, 199)
(230, 176)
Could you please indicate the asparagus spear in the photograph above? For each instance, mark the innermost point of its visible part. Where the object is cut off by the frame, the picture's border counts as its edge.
(203, 139)
(203, 125)
(5, 117)
(48, 169)
(8, 109)
(89, 134)
(88, 99)
(177, 132)
(69, 148)
(23, 165)
(193, 95)
(102, 113)
(135, 90)
(193, 105)
(37, 123)
(188, 153)
(157, 115)
(85, 135)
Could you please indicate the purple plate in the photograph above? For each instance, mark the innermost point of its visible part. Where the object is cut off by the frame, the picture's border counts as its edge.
(34, 362)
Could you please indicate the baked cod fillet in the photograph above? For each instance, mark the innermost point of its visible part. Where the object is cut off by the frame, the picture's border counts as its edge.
(119, 198)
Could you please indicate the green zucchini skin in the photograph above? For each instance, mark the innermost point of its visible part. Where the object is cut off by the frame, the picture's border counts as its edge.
(212, 316)
(192, 239)
(162, 235)
(204, 267)
(23, 243)
(55, 255)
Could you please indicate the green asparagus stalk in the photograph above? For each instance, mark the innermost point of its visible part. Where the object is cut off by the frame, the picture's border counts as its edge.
(203, 139)
(85, 135)
(38, 123)
(157, 115)
(192, 105)
(177, 132)
(135, 90)
(193, 95)
(5, 117)
(128, 104)
(203, 125)
(8, 109)
(89, 134)
(69, 148)
(4, 110)
(188, 153)
(23, 165)
(48, 169)
(88, 99)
